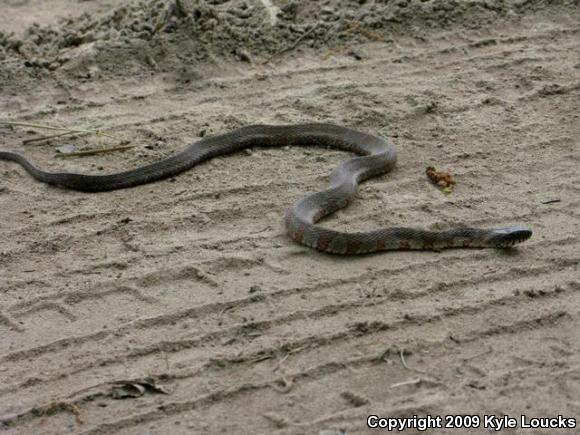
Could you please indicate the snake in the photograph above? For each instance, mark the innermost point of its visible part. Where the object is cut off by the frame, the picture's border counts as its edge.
(376, 155)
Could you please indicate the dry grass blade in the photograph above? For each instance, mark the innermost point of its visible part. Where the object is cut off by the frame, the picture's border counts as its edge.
(370, 34)
(293, 45)
(52, 136)
(50, 127)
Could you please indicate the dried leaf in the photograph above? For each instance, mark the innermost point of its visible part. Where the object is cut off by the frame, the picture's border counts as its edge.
(136, 388)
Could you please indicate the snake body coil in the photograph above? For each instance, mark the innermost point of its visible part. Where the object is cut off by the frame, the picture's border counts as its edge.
(377, 156)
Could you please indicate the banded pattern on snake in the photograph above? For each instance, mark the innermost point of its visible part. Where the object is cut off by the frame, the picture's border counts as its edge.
(377, 156)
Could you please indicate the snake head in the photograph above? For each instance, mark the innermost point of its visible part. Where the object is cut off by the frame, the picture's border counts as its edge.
(507, 237)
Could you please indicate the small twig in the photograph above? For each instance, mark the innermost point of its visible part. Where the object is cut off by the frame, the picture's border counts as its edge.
(370, 34)
(43, 138)
(293, 45)
(298, 349)
(411, 382)
(55, 407)
(551, 201)
(283, 359)
(260, 359)
(401, 352)
(95, 151)
(77, 413)
(49, 127)
(355, 27)
(166, 358)
(485, 352)
(66, 133)
(222, 312)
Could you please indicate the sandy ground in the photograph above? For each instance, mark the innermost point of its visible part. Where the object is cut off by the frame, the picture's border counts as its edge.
(192, 283)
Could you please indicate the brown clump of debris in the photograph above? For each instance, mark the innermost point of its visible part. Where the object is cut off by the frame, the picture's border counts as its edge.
(442, 179)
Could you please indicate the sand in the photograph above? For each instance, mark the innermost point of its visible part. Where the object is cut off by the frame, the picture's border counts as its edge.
(182, 307)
